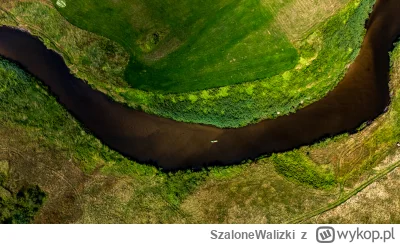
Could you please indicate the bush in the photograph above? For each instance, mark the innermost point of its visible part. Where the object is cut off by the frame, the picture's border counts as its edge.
(22, 207)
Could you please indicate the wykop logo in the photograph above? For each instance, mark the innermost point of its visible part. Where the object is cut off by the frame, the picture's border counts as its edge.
(326, 234)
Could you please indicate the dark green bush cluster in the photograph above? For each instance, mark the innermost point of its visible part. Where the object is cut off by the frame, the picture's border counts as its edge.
(296, 166)
(22, 206)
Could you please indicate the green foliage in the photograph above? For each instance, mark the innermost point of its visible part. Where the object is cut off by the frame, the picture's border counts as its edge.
(298, 167)
(99, 58)
(22, 206)
(3, 178)
(177, 186)
(227, 172)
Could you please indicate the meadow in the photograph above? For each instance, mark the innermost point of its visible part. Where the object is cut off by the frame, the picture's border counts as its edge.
(181, 46)
(326, 44)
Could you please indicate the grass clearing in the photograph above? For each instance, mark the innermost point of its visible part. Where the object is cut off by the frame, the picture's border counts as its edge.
(299, 17)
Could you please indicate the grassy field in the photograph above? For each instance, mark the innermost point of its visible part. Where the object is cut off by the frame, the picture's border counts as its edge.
(329, 39)
(86, 182)
(181, 46)
(379, 203)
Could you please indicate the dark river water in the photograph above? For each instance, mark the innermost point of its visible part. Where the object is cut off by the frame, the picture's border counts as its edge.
(362, 95)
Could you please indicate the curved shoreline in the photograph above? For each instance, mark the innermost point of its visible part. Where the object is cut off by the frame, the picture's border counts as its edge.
(362, 95)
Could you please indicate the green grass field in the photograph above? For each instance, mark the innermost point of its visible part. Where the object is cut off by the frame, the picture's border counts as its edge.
(327, 41)
(181, 46)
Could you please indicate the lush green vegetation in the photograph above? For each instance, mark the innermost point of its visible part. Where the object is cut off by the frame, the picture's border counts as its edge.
(325, 51)
(181, 46)
(300, 168)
